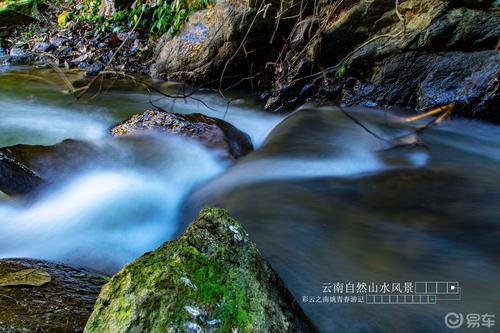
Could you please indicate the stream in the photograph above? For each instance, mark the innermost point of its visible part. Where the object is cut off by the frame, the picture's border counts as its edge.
(325, 199)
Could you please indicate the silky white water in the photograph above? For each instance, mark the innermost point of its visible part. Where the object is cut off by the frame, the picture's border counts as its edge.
(324, 198)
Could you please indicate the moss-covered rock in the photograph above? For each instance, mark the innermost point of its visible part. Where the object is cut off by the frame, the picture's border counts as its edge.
(211, 279)
(16, 12)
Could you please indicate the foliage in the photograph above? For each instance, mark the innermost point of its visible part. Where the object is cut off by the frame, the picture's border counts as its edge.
(342, 68)
(62, 18)
(157, 16)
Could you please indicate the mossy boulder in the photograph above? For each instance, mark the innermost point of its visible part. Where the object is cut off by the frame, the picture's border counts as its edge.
(16, 12)
(212, 132)
(211, 279)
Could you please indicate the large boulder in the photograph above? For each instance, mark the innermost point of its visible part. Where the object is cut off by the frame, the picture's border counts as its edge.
(230, 35)
(211, 279)
(24, 168)
(212, 132)
(62, 305)
(422, 54)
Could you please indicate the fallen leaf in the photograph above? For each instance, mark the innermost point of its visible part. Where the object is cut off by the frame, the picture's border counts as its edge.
(26, 277)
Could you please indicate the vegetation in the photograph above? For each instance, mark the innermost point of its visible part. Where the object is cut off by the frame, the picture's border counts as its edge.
(212, 278)
(157, 16)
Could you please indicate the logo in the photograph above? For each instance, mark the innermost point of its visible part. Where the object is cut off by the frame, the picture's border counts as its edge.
(454, 320)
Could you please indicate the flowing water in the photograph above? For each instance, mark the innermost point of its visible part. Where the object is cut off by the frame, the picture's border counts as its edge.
(325, 199)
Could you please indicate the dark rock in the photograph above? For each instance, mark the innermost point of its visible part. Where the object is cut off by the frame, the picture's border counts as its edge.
(16, 178)
(64, 51)
(471, 80)
(359, 23)
(443, 52)
(24, 168)
(44, 47)
(94, 69)
(17, 52)
(303, 32)
(211, 279)
(212, 132)
(62, 305)
(59, 41)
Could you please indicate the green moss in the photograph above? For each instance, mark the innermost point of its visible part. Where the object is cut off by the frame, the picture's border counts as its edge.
(207, 269)
(16, 12)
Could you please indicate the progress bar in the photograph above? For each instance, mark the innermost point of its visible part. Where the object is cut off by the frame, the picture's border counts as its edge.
(401, 299)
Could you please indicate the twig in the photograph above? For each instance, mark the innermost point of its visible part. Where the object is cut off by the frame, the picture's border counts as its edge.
(11, 298)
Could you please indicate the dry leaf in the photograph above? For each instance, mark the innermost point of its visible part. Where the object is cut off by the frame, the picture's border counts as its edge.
(26, 277)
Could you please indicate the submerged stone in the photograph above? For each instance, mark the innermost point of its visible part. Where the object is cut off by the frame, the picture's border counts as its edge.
(236, 289)
(212, 132)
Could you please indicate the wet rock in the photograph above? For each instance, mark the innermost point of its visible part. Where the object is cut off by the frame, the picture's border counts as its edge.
(16, 178)
(235, 288)
(94, 69)
(62, 305)
(25, 168)
(417, 59)
(17, 52)
(211, 38)
(471, 80)
(18, 55)
(212, 132)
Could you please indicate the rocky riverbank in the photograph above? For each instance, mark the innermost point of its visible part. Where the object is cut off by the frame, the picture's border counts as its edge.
(418, 54)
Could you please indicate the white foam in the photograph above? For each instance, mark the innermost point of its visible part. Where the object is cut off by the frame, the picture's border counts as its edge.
(105, 218)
